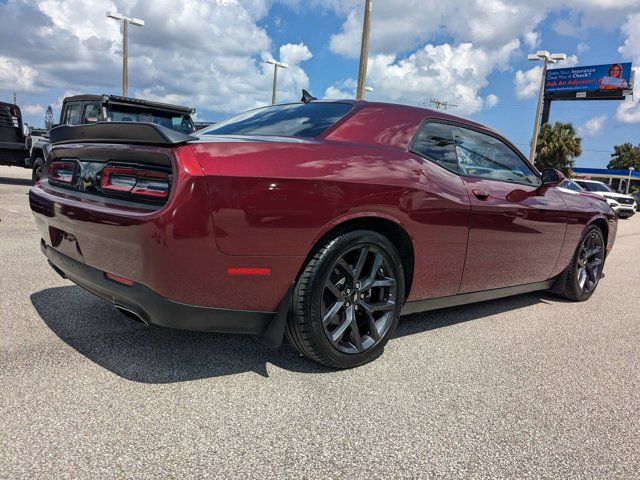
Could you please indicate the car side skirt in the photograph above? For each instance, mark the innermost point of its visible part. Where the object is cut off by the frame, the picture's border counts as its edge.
(473, 297)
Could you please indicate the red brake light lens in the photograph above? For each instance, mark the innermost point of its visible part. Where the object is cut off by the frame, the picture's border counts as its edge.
(138, 182)
(61, 172)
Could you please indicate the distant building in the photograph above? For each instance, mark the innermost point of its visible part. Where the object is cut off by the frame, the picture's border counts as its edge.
(617, 179)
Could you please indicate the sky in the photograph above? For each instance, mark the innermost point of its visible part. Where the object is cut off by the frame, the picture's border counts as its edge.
(209, 54)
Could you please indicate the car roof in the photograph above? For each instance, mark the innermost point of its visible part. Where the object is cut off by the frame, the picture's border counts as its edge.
(390, 124)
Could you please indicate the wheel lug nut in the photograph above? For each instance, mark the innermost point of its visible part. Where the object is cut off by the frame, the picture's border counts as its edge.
(357, 285)
(347, 304)
(348, 290)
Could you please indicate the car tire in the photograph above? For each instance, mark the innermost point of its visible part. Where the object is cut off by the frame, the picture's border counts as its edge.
(347, 300)
(36, 172)
(582, 276)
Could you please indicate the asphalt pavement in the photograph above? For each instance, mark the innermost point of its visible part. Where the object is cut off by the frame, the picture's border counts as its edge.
(526, 387)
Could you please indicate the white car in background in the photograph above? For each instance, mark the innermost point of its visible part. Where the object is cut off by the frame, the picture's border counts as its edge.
(623, 205)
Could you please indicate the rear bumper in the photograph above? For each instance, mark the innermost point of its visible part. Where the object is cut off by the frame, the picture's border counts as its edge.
(153, 308)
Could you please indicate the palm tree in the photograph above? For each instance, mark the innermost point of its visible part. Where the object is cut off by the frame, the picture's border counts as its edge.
(557, 147)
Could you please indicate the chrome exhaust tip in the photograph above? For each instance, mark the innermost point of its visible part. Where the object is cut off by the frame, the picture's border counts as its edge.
(127, 312)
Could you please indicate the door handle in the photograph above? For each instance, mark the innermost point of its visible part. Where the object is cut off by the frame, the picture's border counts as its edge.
(480, 194)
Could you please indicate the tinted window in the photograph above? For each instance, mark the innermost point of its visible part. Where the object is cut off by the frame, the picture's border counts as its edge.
(178, 122)
(572, 186)
(481, 155)
(595, 186)
(72, 117)
(294, 120)
(91, 113)
(435, 142)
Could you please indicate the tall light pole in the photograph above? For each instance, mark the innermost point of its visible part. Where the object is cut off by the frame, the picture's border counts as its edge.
(547, 58)
(631, 169)
(275, 77)
(364, 50)
(125, 43)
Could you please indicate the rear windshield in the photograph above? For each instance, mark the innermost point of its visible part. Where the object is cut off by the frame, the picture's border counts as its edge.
(178, 122)
(293, 120)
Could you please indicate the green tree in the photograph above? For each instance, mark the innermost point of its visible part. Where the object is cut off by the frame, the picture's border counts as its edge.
(624, 157)
(48, 118)
(557, 147)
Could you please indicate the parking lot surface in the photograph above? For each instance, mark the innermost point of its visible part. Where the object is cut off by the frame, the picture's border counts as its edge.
(529, 386)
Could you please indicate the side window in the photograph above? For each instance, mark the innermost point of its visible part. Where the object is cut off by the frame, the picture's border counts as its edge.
(72, 114)
(435, 143)
(573, 186)
(481, 155)
(91, 113)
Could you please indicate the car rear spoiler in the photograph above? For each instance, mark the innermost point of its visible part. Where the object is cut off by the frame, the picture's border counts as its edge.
(119, 132)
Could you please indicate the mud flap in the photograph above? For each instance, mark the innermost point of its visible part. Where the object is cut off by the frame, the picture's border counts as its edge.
(274, 333)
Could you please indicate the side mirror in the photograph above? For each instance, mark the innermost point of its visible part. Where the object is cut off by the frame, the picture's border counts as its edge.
(551, 177)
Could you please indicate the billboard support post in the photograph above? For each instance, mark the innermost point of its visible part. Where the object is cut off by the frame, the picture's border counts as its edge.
(546, 110)
(536, 123)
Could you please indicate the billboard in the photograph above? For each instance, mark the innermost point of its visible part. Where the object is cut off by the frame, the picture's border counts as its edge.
(607, 79)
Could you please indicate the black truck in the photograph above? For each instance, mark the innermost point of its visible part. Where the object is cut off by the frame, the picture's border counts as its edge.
(80, 110)
(13, 148)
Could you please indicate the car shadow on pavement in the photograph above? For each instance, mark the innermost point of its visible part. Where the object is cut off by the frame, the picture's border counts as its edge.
(144, 354)
(15, 181)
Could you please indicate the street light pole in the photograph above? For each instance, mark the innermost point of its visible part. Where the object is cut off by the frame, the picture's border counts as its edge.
(275, 77)
(631, 169)
(364, 50)
(547, 58)
(125, 44)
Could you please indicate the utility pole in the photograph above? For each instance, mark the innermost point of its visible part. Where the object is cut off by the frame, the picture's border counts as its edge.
(547, 58)
(441, 104)
(125, 44)
(364, 50)
(275, 77)
(15, 98)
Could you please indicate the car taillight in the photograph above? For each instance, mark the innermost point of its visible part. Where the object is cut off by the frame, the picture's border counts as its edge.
(61, 172)
(135, 181)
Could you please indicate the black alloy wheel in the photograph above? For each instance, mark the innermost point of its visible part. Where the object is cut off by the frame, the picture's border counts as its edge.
(359, 299)
(347, 300)
(581, 278)
(590, 262)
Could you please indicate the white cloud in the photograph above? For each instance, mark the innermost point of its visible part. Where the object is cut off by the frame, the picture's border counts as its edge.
(196, 52)
(527, 83)
(16, 76)
(583, 47)
(532, 39)
(341, 90)
(629, 110)
(403, 26)
(491, 100)
(455, 74)
(593, 127)
(36, 109)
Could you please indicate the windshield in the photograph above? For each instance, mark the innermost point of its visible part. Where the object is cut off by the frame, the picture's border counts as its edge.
(595, 186)
(179, 122)
(293, 120)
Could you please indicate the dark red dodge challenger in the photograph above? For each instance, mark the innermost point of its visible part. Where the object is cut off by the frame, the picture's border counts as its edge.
(324, 221)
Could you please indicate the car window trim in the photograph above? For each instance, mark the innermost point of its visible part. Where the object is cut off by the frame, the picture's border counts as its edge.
(481, 130)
